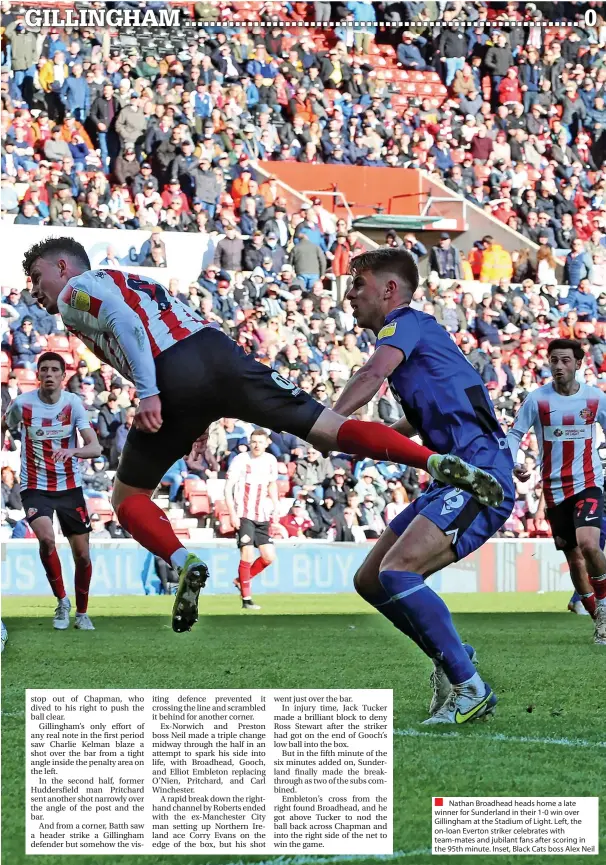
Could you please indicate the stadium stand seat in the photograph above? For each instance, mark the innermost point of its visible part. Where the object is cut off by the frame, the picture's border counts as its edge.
(26, 379)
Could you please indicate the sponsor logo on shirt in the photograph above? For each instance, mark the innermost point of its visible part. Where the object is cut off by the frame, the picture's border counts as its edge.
(47, 432)
(31, 512)
(388, 330)
(80, 300)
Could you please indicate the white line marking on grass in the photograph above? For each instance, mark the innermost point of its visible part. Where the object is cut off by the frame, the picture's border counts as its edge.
(329, 860)
(501, 737)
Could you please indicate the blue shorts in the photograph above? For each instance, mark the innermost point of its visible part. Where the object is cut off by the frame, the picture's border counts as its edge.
(458, 514)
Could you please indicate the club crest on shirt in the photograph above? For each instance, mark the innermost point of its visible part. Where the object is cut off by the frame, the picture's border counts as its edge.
(388, 330)
(588, 415)
(64, 415)
(79, 300)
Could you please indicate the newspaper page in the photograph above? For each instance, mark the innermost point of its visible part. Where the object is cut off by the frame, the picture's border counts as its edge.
(303, 339)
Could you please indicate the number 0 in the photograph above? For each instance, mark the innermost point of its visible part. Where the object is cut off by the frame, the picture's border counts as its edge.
(591, 18)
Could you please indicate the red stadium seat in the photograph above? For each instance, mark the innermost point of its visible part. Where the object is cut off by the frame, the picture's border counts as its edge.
(199, 503)
(100, 506)
(26, 379)
(292, 468)
(193, 485)
(56, 342)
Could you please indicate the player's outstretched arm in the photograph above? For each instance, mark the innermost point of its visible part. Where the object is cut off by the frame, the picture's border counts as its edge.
(86, 299)
(89, 450)
(527, 417)
(363, 386)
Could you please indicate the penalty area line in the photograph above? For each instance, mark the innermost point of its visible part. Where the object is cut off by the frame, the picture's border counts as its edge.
(501, 737)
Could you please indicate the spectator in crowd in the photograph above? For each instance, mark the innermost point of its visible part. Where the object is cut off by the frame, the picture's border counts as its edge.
(445, 259)
(26, 346)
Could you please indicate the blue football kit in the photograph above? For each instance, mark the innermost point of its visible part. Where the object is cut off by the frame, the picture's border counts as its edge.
(445, 400)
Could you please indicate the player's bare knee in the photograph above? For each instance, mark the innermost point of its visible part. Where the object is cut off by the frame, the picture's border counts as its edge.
(589, 548)
(47, 545)
(366, 583)
(82, 558)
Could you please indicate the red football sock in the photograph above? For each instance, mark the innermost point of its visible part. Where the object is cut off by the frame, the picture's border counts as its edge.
(258, 565)
(82, 581)
(149, 525)
(52, 566)
(244, 577)
(381, 442)
(598, 585)
(588, 602)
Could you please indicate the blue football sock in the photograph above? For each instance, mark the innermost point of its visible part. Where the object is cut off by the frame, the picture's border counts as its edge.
(396, 614)
(430, 619)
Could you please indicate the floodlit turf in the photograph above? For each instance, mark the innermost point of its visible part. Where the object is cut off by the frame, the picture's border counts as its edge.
(539, 659)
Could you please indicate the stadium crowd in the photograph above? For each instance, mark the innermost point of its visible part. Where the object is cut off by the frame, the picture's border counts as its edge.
(165, 131)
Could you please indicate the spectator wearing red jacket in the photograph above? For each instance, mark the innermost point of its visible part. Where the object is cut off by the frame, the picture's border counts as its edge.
(509, 88)
(297, 522)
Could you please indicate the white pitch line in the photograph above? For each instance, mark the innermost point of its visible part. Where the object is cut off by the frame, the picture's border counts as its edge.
(329, 860)
(501, 737)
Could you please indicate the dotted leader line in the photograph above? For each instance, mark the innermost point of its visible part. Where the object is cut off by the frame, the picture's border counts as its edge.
(362, 25)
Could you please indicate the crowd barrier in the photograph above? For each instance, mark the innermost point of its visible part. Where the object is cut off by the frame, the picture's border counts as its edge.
(125, 568)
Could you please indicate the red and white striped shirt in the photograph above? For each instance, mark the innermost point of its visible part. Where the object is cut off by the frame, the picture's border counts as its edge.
(127, 321)
(566, 430)
(48, 427)
(251, 477)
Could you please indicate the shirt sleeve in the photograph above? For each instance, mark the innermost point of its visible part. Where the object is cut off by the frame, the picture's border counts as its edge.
(403, 333)
(13, 415)
(527, 417)
(80, 415)
(273, 470)
(601, 418)
(93, 301)
(235, 469)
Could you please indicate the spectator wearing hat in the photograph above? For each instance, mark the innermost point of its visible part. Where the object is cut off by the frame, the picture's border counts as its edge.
(224, 304)
(96, 483)
(229, 251)
(131, 124)
(98, 530)
(74, 382)
(25, 346)
(66, 217)
(206, 186)
(56, 149)
(445, 259)
(126, 167)
(255, 251)
(143, 179)
(496, 262)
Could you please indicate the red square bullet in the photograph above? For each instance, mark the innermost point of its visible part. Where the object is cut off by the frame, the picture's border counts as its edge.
(438, 802)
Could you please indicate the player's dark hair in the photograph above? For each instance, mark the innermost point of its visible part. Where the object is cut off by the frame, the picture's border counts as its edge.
(562, 344)
(56, 246)
(388, 259)
(51, 355)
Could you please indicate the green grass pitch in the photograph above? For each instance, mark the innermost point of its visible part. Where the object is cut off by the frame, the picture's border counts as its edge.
(539, 659)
